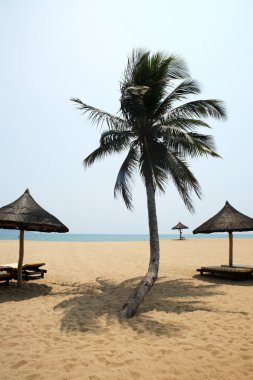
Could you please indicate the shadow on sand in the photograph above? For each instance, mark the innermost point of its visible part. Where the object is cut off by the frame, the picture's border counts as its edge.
(86, 304)
(29, 290)
(220, 280)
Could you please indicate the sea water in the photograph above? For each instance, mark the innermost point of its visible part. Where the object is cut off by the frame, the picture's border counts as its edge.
(71, 237)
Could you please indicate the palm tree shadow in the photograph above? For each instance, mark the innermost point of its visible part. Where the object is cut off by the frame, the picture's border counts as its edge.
(87, 303)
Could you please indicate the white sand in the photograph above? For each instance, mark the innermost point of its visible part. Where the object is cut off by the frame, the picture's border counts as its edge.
(65, 326)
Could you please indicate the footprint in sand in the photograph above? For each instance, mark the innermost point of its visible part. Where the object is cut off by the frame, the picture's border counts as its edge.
(19, 364)
(246, 357)
(135, 375)
(68, 367)
(33, 376)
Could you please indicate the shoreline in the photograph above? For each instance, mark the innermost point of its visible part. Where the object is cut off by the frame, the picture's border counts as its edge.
(13, 235)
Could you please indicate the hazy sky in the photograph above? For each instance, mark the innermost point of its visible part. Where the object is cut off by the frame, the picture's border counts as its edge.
(52, 50)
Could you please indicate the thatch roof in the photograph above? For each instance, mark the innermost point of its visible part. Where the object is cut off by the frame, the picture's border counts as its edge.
(228, 219)
(26, 214)
(179, 226)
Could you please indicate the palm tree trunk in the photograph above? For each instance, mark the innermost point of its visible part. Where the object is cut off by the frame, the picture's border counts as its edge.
(21, 256)
(135, 299)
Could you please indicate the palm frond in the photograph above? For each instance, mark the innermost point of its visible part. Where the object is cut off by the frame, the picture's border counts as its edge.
(134, 60)
(199, 145)
(200, 108)
(184, 89)
(116, 141)
(193, 144)
(98, 117)
(176, 67)
(124, 178)
(178, 139)
(183, 179)
(96, 155)
(182, 124)
(154, 72)
(110, 142)
(153, 164)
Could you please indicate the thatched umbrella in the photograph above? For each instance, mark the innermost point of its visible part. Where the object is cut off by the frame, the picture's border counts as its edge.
(180, 226)
(25, 214)
(228, 219)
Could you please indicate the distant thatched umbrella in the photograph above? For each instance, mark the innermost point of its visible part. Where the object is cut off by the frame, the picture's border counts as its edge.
(228, 219)
(180, 226)
(25, 214)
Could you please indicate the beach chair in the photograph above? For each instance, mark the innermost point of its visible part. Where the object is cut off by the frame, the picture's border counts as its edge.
(28, 270)
(33, 269)
(240, 266)
(8, 269)
(5, 276)
(226, 271)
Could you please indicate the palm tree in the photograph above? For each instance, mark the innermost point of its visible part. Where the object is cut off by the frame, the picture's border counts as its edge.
(159, 133)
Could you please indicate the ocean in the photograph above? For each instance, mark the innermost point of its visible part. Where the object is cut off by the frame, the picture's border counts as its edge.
(70, 237)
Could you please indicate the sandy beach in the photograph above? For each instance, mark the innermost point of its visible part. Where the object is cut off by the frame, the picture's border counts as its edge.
(65, 325)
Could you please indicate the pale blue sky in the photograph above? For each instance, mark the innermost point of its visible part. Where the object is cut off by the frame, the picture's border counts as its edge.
(52, 50)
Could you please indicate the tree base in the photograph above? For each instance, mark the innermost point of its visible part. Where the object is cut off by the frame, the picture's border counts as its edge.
(131, 306)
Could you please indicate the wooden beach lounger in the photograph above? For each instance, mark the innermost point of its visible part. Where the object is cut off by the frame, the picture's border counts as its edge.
(5, 277)
(29, 270)
(240, 266)
(33, 269)
(231, 272)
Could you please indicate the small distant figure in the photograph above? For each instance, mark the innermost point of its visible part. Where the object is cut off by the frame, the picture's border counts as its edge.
(180, 226)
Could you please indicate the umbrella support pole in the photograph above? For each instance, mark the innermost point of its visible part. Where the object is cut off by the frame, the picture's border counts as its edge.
(230, 236)
(21, 256)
